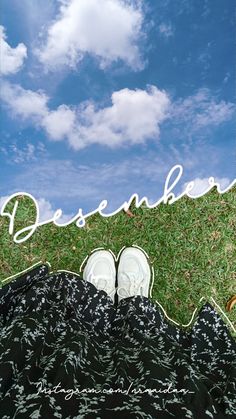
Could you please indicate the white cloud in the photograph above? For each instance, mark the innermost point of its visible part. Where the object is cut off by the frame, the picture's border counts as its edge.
(73, 185)
(133, 117)
(59, 124)
(108, 29)
(214, 114)
(24, 103)
(202, 184)
(18, 153)
(23, 155)
(166, 30)
(46, 212)
(11, 59)
(201, 110)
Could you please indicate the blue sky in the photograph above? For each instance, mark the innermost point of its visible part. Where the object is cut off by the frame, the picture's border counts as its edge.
(100, 99)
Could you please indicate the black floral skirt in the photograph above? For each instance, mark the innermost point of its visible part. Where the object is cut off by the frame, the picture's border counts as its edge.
(67, 352)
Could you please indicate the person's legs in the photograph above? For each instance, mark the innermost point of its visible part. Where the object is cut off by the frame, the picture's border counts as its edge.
(133, 288)
(134, 279)
(55, 330)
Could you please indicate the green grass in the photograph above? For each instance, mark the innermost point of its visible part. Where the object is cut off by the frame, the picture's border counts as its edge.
(191, 244)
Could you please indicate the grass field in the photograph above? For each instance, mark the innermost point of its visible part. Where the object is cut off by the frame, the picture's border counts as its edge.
(191, 244)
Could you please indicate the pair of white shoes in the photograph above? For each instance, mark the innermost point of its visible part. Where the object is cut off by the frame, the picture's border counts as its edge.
(133, 273)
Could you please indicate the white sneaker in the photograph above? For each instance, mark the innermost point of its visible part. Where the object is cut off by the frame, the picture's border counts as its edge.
(134, 274)
(100, 270)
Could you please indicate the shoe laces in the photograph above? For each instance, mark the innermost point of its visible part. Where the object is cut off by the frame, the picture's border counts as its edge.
(101, 282)
(134, 285)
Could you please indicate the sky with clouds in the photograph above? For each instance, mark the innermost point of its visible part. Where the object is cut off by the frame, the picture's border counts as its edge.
(101, 98)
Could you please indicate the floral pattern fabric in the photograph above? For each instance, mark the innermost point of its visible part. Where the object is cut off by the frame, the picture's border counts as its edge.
(67, 352)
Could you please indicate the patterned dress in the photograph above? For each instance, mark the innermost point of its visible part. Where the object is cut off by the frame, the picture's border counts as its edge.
(67, 352)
